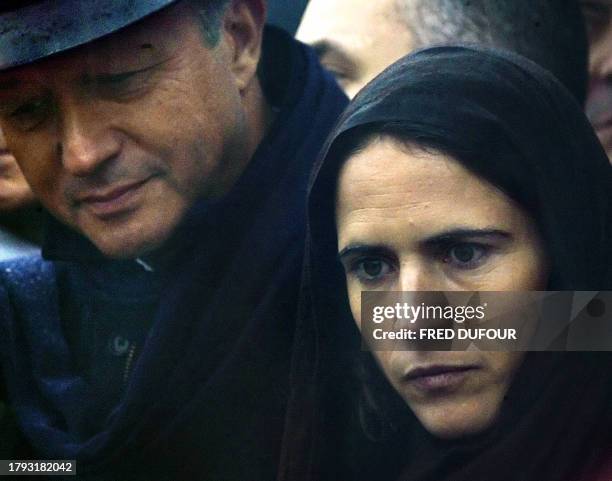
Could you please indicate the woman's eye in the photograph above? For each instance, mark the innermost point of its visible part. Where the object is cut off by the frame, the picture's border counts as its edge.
(466, 256)
(370, 269)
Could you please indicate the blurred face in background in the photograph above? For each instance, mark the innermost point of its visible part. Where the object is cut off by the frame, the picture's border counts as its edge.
(355, 39)
(15, 192)
(410, 220)
(598, 16)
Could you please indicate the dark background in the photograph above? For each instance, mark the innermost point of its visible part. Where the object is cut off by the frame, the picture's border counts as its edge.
(286, 13)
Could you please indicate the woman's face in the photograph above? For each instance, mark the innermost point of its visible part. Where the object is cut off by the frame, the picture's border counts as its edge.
(409, 220)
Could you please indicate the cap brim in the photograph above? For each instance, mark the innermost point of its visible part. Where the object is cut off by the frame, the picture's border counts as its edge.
(53, 26)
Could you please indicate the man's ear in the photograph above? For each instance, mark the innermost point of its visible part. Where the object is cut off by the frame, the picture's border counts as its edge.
(243, 24)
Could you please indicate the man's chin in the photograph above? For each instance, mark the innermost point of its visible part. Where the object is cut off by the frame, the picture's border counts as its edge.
(608, 149)
(127, 247)
(128, 237)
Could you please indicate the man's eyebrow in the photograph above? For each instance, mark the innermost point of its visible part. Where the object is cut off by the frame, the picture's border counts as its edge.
(88, 77)
(458, 234)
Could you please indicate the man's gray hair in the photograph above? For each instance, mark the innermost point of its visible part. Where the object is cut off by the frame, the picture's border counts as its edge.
(210, 13)
(549, 32)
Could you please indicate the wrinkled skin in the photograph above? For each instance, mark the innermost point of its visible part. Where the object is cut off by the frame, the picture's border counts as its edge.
(119, 137)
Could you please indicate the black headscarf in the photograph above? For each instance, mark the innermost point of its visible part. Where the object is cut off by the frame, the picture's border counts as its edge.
(513, 124)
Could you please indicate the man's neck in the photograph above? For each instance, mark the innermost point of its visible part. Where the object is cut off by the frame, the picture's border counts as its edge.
(258, 116)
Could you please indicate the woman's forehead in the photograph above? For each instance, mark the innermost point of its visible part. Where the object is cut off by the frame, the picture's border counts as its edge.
(386, 171)
(386, 188)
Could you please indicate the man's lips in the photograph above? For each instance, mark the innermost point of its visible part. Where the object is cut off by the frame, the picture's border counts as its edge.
(110, 201)
(108, 194)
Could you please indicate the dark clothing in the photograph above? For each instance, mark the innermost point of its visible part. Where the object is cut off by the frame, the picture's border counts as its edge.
(512, 124)
(12, 443)
(20, 233)
(176, 366)
(12, 246)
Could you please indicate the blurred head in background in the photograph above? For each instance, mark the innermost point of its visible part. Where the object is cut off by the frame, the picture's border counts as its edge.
(598, 16)
(15, 192)
(20, 214)
(357, 39)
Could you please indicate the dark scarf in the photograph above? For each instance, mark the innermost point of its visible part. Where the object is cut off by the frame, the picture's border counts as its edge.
(208, 394)
(517, 127)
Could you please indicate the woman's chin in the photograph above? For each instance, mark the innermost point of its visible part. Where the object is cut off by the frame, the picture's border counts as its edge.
(457, 422)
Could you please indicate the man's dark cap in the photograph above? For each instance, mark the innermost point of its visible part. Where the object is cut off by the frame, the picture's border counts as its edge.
(32, 30)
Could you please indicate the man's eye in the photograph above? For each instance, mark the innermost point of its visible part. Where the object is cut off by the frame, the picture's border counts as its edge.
(115, 78)
(466, 255)
(342, 73)
(120, 84)
(114, 83)
(339, 75)
(370, 269)
(30, 114)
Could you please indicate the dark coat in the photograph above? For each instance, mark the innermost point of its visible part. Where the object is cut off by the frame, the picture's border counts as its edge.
(212, 325)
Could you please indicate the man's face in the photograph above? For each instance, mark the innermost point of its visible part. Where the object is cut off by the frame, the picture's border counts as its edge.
(119, 137)
(355, 39)
(598, 15)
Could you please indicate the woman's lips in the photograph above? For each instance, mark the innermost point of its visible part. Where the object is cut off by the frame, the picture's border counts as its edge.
(439, 377)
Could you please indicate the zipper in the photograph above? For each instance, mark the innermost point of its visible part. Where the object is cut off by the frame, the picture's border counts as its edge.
(129, 361)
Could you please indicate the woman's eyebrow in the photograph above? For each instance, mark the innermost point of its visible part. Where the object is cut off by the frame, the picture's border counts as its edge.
(467, 233)
(360, 249)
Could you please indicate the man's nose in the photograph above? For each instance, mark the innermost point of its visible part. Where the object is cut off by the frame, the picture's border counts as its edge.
(86, 142)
